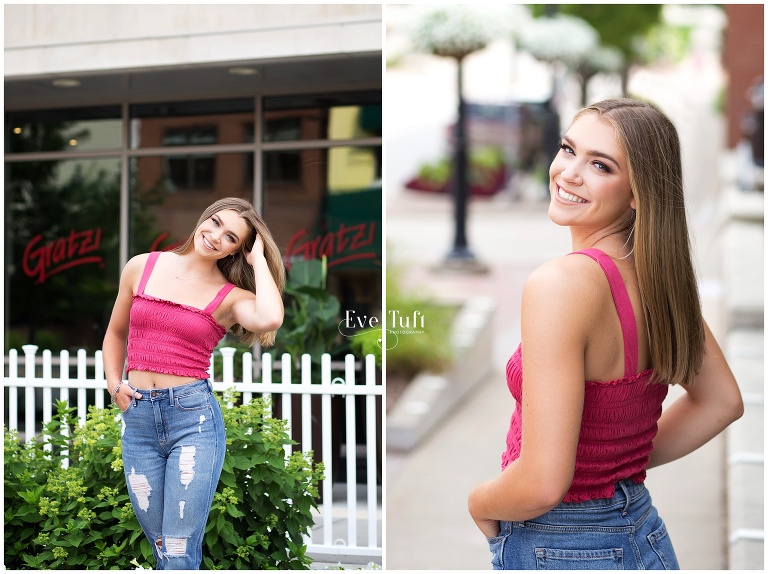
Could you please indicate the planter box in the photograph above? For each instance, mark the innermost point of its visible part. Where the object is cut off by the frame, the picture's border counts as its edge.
(431, 396)
(491, 181)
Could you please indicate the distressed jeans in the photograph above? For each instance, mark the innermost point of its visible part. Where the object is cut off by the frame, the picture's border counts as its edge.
(173, 452)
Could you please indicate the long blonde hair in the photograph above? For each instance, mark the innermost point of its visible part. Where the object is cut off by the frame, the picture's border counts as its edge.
(659, 237)
(236, 269)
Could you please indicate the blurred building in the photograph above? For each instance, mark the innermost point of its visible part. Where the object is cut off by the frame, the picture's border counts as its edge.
(744, 59)
(123, 122)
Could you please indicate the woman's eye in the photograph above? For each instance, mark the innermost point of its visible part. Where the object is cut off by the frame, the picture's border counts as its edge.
(566, 148)
(215, 221)
(601, 166)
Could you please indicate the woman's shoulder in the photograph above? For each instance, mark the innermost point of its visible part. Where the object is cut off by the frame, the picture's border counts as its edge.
(236, 293)
(567, 287)
(577, 275)
(134, 269)
(136, 263)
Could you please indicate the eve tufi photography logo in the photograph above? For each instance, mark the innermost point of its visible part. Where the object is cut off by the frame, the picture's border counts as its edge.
(354, 324)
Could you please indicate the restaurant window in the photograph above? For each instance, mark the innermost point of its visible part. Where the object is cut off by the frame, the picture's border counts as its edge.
(314, 117)
(62, 252)
(325, 202)
(319, 195)
(328, 204)
(69, 130)
(188, 172)
(163, 211)
(205, 122)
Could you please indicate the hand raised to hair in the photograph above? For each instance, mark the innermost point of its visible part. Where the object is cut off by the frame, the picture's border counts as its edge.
(256, 251)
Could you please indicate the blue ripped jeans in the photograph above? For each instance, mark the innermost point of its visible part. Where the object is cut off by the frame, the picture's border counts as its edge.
(173, 452)
(620, 533)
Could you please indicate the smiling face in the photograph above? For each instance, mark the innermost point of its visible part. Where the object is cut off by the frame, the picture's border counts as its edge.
(589, 177)
(221, 234)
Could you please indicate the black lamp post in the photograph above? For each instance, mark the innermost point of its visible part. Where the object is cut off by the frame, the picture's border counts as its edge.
(460, 258)
(455, 31)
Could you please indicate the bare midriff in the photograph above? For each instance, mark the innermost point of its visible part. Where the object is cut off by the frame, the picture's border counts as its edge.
(147, 380)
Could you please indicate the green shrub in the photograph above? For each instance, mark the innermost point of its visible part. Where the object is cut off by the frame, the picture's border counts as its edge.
(483, 164)
(311, 317)
(430, 350)
(81, 517)
(78, 517)
(47, 339)
(368, 342)
(14, 341)
(264, 502)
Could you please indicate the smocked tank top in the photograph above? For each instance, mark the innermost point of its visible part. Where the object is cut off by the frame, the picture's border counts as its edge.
(619, 419)
(171, 338)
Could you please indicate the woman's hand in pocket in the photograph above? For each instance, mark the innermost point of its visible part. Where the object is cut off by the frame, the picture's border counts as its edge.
(488, 526)
(124, 397)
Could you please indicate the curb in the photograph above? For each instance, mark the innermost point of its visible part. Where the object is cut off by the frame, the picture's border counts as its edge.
(429, 397)
(744, 348)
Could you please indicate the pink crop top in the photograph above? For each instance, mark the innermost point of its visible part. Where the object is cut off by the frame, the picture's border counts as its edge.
(619, 417)
(171, 338)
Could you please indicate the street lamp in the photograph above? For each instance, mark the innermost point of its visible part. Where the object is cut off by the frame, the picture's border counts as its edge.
(460, 257)
(455, 31)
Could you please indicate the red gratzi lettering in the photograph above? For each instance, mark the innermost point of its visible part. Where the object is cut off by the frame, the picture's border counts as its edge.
(43, 261)
(335, 245)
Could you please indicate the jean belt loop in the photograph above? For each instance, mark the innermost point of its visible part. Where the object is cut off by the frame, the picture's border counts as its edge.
(210, 385)
(625, 490)
(170, 395)
(133, 395)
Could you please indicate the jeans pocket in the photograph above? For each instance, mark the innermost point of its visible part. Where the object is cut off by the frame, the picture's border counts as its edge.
(599, 559)
(662, 546)
(193, 401)
(128, 408)
(496, 545)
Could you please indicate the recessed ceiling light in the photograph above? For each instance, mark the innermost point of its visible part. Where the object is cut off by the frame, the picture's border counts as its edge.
(73, 142)
(66, 83)
(243, 71)
(17, 130)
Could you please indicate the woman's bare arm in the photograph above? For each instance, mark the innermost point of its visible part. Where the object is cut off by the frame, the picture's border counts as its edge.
(262, 311)
(708, 406)
(115, 339)
(559, 305)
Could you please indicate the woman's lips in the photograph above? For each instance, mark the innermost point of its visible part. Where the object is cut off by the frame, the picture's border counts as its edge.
(569, 197)
(208, 244)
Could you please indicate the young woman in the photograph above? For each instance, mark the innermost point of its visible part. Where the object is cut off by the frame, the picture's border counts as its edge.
(605, 330)
(171, 310)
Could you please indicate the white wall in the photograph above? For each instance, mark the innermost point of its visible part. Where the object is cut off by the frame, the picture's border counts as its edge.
(53, 38)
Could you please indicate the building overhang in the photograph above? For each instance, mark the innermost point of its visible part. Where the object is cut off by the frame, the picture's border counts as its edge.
(194, 81)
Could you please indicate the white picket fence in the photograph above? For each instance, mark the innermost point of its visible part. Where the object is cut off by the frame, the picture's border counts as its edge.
(338, 524)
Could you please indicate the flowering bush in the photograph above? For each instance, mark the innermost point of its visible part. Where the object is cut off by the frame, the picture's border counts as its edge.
(562, 37)
(453, 30)
(76, 517)
(81, 517)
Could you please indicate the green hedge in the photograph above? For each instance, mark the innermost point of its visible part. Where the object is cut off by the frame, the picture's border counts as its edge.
(81, 517)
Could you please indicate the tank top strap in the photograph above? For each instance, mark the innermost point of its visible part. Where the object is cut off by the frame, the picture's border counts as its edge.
(148, 267)
(623, 307)
(223, 292)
